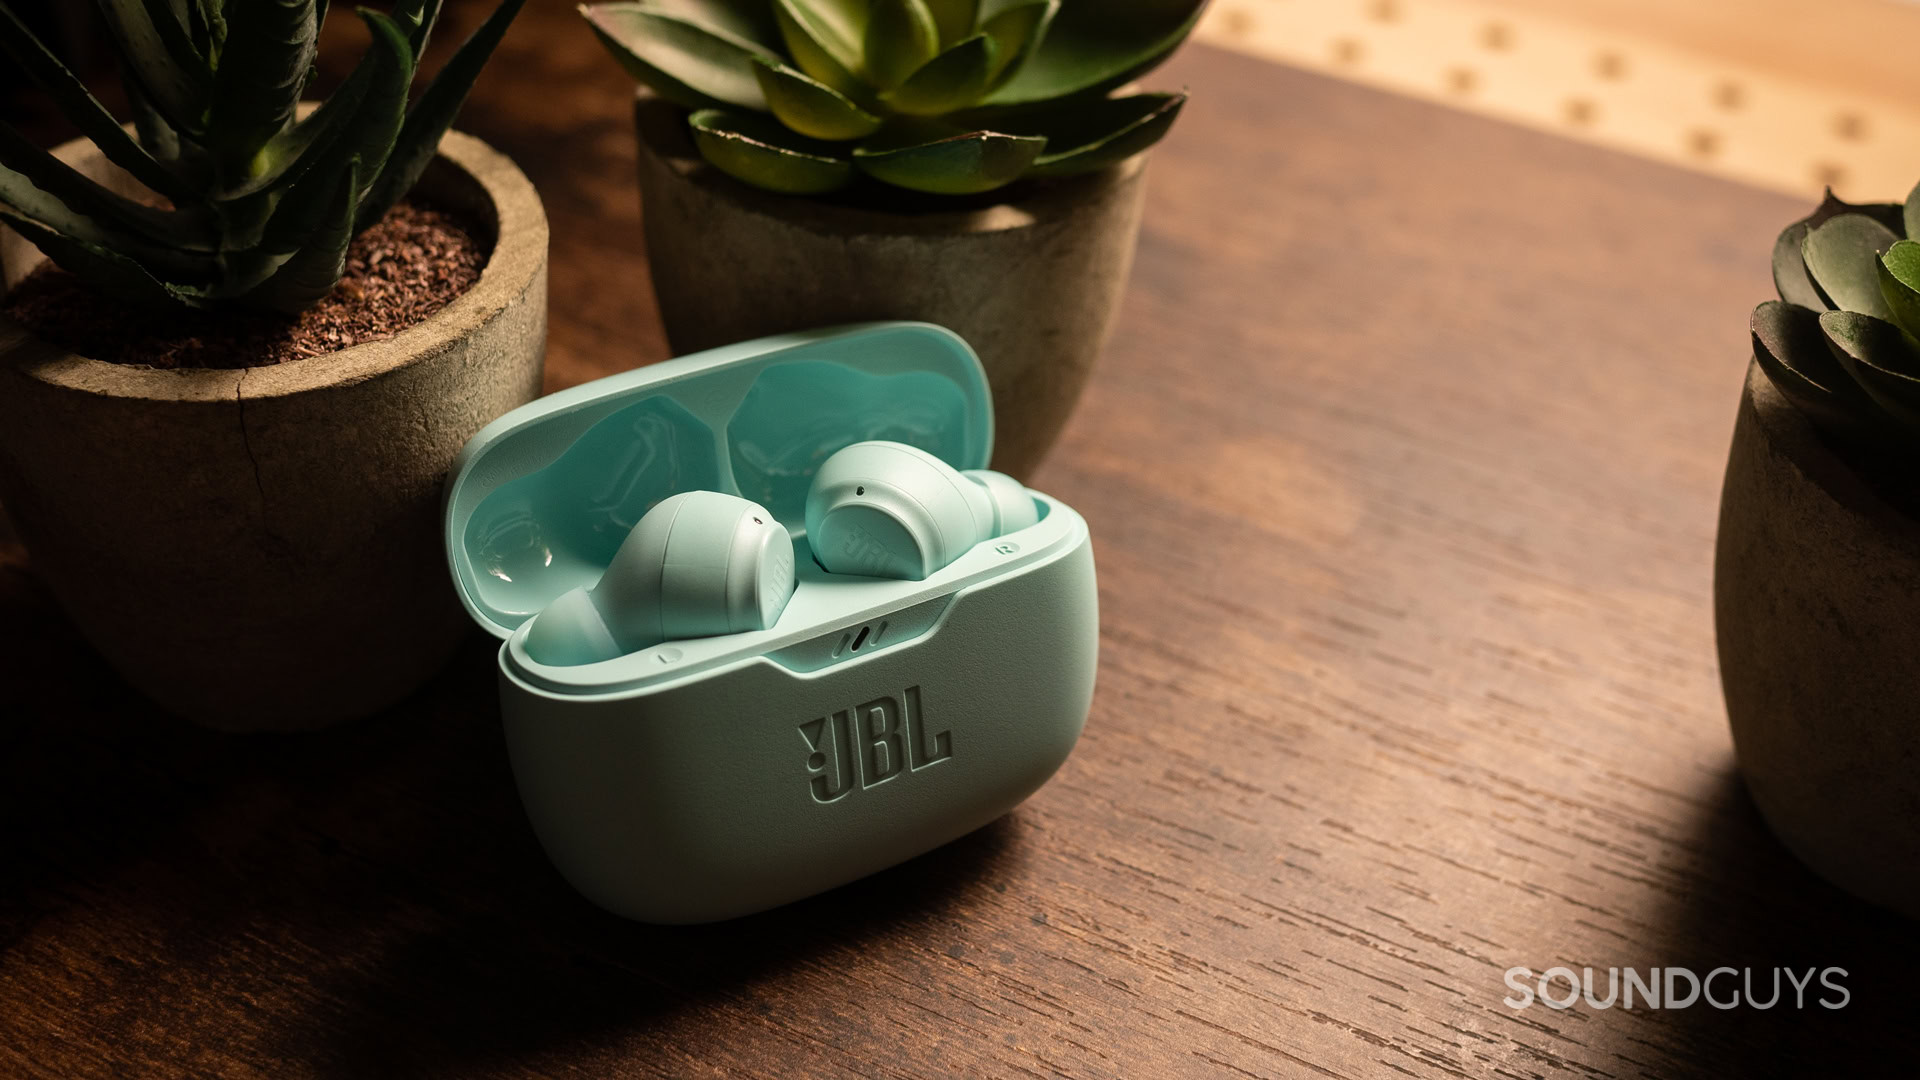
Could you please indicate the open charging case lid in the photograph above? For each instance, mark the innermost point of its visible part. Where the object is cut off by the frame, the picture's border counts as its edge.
(539, 500)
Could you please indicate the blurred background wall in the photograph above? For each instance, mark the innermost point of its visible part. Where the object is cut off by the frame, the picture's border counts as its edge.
(1786, 94)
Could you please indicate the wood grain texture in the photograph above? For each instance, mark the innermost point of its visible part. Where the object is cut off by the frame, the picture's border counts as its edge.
(1402, 472)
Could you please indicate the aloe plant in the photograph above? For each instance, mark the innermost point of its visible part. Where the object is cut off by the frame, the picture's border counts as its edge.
(1843, 341)
(262, 200)
(950, 97)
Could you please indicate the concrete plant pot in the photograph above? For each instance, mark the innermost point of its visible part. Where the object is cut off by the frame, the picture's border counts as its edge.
(1031, 283)
(1817, 611)
(260, 548)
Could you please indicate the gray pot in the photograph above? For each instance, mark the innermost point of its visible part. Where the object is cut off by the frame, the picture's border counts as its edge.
(260, 548)
(1031, 284)
(1817, 612)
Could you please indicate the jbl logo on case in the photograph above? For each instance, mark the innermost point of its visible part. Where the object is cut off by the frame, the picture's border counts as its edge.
(871, 743)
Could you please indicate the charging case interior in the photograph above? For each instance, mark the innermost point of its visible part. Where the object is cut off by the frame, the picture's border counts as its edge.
(876, 719)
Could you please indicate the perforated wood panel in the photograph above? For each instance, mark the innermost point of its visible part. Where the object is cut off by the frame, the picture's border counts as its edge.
(1785, 94)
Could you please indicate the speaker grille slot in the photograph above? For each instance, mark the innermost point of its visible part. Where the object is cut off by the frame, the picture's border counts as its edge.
(867, 636)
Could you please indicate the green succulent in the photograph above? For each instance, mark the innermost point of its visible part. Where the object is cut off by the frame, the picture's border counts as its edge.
(262, 200)
(950, 97)
(1843, 341)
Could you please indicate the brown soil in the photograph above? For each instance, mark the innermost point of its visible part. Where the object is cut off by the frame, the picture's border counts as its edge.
(400, 271)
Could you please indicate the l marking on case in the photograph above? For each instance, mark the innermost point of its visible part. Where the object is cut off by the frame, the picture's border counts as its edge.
(871, 743)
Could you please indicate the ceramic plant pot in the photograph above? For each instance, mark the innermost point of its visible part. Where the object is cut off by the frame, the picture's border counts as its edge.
(1817, 611)
(259, 548)
(1031, 283)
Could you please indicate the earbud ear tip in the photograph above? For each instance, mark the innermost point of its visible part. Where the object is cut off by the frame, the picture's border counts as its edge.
(570, 631)
(1013, 508)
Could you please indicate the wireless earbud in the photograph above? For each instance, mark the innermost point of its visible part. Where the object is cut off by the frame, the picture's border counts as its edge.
(699, 563)
(885, 509)
(702, 563)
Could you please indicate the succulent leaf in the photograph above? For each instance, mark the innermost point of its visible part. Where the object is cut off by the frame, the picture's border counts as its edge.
(873, 70)
(1832, 206)
(427, 122)
(369, 137)
(361, 121)
(417, 17)
(749, 20)
(901, 36)
(80, 106)
(257, 87)
(20, 193)
(1899, 271)
(812, 108)
(1859, 382)
(158, 138)
(1790, 275)
(312, 271)
(943, 162)
(809, 57)
(843, 22)
(1089, 48)
(208, 27)
(29, 165)
(1841, 254)
(752, 148)
(1883, 360)
(690, 64)
(955, 19)
(103, 268)
(1017, 30)
(264, 204)
(1790, 278)
(1910, 213)
(288, 155)
(953, 80)
(1790, 347)
(296, 218)
(1097, 134)
(37, 205)
(824, 37)
(173, 75)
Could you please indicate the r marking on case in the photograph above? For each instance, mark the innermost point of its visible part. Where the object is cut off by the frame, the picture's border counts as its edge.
(871, 743)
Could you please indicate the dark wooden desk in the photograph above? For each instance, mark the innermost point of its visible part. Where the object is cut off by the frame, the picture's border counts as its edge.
(1402, 470)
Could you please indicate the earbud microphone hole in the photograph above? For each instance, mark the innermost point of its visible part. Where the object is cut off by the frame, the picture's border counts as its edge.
(859, 491)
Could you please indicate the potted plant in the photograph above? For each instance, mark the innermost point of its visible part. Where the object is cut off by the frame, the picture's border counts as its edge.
(1817, 571)
(963, 162)
(226, 408)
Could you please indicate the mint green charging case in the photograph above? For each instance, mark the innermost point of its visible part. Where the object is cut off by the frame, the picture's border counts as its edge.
(875, 720)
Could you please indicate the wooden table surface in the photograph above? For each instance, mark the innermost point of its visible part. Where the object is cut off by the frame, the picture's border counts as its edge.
(1402, 470)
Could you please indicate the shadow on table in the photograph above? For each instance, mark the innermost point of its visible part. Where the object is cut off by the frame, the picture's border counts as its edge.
(542, 981)
(367, 900)
(1750, 905)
